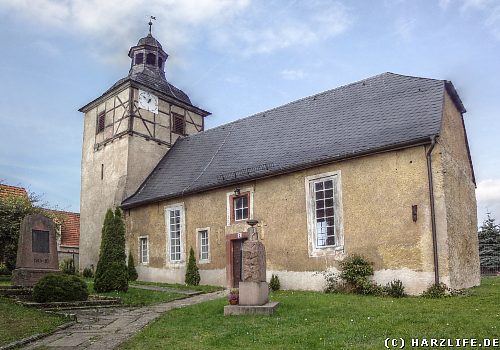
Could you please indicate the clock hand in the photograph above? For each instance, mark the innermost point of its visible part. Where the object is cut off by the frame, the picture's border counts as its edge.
(149, 100)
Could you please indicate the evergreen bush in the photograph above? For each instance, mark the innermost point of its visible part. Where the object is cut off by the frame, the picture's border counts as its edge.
(132, 272)
(67, 266)
(436, 291)
(111, 272)
(87, 272)
(192, 272)
(60, 287)
(355, 273)
(395, 289)
(274, 284)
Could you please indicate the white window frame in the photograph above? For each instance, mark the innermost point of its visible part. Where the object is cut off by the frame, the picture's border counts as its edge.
(168, 209)
(199, 244)
(139, 240)
(338, 247)
(229, 205)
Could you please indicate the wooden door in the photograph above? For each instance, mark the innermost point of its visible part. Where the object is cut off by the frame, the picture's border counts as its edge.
(237, 261)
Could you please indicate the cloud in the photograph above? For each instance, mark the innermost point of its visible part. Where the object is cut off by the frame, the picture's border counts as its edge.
(47, 47)
(291, 74)
(444, 4)
(488, 198)
(405, 27)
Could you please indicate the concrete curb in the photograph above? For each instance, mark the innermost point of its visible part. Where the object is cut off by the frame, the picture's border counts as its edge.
(38, 336)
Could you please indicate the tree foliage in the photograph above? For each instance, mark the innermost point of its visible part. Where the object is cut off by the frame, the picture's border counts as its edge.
(111, 272)
(489, 243)
(132, 272)
(13, 209)
(192, 272)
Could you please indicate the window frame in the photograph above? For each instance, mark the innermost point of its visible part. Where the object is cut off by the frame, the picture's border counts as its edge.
(100, 122)
(316, 250)
(199, 243)
(140, 248)
(232, 198)
(182, 253)
(181, 118)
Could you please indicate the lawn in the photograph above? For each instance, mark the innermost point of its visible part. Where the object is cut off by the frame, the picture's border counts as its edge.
(138, 297)
(309, 320)
(17, 322)
(201, 288)
(4, 280)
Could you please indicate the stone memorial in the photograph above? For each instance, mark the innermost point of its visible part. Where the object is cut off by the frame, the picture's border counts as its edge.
(253, 289)
(36, 251)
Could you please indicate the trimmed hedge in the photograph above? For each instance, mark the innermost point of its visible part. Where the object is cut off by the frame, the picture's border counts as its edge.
(60, 287)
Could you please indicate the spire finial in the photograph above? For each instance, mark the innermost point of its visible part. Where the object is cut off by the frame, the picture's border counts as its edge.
(151, 23)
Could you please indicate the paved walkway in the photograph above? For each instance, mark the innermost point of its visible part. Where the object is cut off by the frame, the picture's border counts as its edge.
(165, 289)
(106, 328)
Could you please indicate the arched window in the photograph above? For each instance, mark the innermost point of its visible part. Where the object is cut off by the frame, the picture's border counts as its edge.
(160, 62)
(151, 59)
(139, 58)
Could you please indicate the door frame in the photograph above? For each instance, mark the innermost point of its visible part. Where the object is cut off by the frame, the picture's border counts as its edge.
(230, 238)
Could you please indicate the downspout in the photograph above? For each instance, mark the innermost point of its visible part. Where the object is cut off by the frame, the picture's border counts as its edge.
(433, 213)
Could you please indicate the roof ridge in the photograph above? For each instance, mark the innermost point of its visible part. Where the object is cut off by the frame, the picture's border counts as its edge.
(300, 100)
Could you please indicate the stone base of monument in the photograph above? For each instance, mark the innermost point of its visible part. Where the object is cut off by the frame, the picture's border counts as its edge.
(253, 293)
(28, 277)
(266, 309)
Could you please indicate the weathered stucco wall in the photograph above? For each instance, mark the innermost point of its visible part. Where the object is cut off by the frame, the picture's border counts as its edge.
(377, 197)
(459, 191)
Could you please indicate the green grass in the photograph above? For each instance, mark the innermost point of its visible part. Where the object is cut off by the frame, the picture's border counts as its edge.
(201, 288)
(4, 280)
(138, 297)
(17, 322)
(309, 320)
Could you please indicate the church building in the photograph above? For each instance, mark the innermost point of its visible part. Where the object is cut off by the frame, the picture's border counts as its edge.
(380, 168)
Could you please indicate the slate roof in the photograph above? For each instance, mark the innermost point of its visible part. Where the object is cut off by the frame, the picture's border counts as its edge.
(149, 40)
(382, 112)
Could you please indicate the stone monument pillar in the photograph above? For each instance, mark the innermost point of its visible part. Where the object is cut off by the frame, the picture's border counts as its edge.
(36, 251)
(253, 288)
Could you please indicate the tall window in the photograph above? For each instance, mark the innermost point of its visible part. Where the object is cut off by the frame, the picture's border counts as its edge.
(203, 239)
(324, 214)
(101, 122)
(241, 207)
(143, 250)
(174, 222)
(139, 58)
(178, 124)
(151, 59)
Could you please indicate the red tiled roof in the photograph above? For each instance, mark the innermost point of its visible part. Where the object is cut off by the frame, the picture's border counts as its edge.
(7, 190)
(70, 228)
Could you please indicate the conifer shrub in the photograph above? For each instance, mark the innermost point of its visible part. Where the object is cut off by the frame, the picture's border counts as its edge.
(87, 272)
(67, 266)
(395, 289)
(132, 272)
(60, 287)
(111, 272)
(192, 272)
(274, 284)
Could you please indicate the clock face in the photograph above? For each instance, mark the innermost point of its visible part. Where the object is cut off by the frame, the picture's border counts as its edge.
(148, 101)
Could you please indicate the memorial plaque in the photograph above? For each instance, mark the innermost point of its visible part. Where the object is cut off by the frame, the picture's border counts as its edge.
(36, 251)
(40, 241)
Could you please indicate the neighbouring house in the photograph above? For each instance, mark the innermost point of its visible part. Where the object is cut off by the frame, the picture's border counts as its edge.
(68, 225)
(380, 167)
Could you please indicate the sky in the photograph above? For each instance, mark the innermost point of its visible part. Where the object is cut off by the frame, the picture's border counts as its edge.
(233, 58)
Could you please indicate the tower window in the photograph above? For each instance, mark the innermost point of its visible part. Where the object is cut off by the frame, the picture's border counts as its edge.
(179, 126)
(151, 59)
(160, 62)
(101, 122)
(139, 58)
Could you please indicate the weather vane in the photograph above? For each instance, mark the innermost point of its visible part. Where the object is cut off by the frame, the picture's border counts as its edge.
(151, 23)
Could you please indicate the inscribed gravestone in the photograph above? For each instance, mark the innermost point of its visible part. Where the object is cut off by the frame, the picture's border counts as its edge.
(36, 251)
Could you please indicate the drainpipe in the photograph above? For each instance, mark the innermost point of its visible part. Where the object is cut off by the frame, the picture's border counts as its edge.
(433, 213)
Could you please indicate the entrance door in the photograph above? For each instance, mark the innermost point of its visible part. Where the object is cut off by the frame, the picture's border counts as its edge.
(237, 261)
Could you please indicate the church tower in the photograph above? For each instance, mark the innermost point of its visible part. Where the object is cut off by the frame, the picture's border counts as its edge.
(127, 130)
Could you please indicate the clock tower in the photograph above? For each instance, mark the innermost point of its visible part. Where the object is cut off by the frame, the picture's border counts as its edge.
(127, 130)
